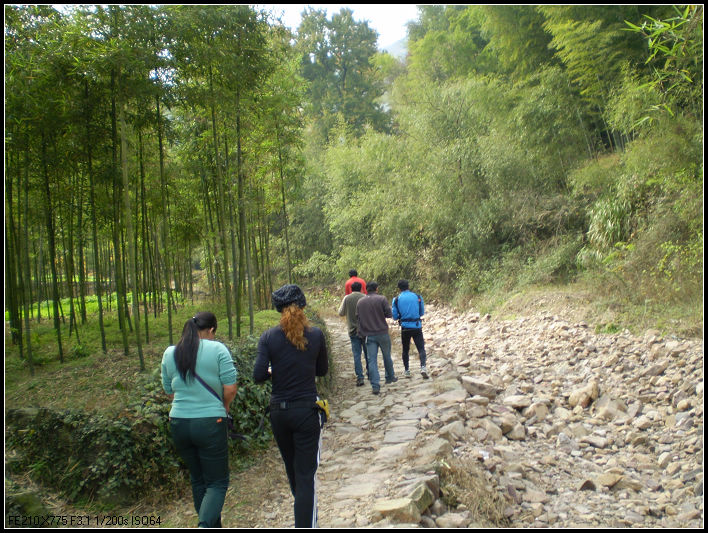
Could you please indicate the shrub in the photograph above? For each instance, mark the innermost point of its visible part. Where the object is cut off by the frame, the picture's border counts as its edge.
(115, 460)
(555, 264)
(249, 406)
(610, 222)
(462, 482)
(318, 266)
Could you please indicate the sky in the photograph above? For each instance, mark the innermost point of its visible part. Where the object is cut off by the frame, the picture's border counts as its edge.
(389, 20)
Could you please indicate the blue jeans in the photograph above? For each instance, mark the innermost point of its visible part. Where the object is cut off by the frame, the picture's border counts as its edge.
(373, 343)
(358, 345)
(203, 445)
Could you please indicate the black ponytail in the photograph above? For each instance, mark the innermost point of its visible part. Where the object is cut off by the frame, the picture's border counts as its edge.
(188, 346)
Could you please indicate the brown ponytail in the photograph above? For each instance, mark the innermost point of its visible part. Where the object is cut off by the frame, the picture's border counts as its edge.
(294, 322)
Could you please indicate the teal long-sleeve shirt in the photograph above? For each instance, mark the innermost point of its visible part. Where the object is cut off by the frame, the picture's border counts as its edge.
(191, 398)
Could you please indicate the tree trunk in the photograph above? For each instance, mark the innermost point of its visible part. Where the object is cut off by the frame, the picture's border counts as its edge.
(232, 234)
(27, 300)
(82, 263)
(243, 238)
(285, 211)
(117, 260)
(12, 272)
(211, 244)
(221, 200)
(52, 246)
(165, 222)
(129, 228)
(69, 267)
(94, 225)
(144, 240)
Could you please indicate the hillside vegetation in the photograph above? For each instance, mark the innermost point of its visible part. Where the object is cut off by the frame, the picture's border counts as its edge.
(514, 146)
(529, 146)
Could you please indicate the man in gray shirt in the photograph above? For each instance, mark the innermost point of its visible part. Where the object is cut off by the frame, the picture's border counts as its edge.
(372, 311)
(348, 309)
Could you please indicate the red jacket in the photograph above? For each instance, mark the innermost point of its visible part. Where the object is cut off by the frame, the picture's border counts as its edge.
(348, 285)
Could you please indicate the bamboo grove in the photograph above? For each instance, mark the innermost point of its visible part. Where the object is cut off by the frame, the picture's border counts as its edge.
(512, 145)
(101, 103)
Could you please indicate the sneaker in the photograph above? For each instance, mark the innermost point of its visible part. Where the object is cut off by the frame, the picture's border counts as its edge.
(359, 382)
(424, 373)
(392, 380)
(407, 373)
(375, 391)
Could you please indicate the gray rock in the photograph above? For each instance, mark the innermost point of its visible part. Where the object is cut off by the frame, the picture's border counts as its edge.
(401, 510)
(595, 441)
(480, 387)
(572, 457)
(454, 431)
(585, 395)
(453, 520)
(517, 401)
(422, 496)
(518, 432)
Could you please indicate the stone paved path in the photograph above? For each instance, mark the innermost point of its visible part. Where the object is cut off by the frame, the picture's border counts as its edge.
(570, 428)
(368, 454)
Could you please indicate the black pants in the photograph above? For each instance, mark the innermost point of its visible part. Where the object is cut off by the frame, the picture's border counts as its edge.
(297, 432)
(417, 336)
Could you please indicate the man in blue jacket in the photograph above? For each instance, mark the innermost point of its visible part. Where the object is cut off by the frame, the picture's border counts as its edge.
(408, 308)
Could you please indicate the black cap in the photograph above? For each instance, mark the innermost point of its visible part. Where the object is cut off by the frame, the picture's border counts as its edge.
(286, 295)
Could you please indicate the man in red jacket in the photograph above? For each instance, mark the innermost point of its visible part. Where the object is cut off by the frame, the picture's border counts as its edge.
(352, 278)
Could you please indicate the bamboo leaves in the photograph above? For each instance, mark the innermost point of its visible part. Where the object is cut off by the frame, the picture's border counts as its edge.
(133, 134)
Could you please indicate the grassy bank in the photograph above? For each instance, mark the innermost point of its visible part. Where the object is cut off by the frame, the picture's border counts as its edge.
(93, 380)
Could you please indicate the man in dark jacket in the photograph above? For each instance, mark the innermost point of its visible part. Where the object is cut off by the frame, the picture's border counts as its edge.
(372, 312)
(348, 309)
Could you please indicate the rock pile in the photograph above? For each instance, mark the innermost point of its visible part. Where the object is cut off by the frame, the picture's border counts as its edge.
(581, 429)
(569, 429)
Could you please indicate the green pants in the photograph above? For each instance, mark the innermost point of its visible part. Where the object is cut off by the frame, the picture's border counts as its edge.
(203, 445)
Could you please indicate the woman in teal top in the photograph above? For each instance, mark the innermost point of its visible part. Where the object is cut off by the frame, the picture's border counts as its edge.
(197, 418)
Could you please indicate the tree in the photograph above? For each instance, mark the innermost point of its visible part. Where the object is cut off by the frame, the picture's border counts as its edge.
(593, 44)
(676, 57)
(336, 61)
(517, 37)
(448, 43)
(279, 134)
(37, 69)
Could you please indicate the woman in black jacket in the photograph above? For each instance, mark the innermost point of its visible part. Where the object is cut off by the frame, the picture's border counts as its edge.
(295, 352)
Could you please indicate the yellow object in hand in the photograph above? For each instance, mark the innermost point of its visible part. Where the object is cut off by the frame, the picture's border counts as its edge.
(323, 405)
